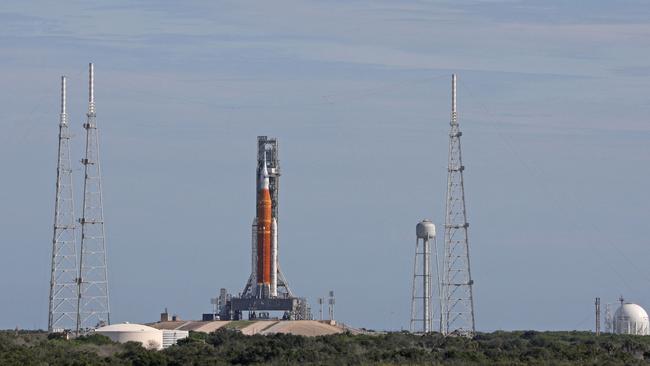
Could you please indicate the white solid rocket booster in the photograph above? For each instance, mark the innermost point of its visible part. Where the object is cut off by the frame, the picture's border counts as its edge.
(254, 255)
(274, 258)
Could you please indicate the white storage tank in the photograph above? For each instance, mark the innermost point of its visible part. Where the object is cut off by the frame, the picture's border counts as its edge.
(631, 319)
(149, 337)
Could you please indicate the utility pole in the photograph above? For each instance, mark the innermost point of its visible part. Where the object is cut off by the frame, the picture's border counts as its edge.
(63, 285)
(93, 302)
(458, 301)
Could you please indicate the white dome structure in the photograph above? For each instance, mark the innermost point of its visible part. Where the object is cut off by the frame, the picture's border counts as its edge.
(149, 337)
(631, 319)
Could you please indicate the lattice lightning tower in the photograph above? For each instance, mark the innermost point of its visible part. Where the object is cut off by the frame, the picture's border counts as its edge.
(63, 284)
(93, 302)
(457, 302)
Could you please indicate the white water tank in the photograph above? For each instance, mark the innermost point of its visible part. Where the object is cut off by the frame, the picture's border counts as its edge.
(631, 319)
(149, 337)
(425, 229)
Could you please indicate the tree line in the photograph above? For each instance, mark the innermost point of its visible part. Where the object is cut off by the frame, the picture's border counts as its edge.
(230, 347)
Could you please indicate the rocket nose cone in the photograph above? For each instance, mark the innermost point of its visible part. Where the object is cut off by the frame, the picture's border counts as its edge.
(265, 172)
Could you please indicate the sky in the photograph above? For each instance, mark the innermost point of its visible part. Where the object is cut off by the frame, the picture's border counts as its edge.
(553, 104)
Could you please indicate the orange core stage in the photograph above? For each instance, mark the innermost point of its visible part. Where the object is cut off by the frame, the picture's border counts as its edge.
(264, 218)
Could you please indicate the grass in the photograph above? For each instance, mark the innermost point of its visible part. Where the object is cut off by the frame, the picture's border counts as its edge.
(238, 324)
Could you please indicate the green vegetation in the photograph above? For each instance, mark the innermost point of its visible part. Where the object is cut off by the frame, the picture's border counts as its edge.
(229, 347)
(238, 324)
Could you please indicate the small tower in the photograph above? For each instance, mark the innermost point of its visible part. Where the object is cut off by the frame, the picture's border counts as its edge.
(457, 298)
(92, 303)
(608, 318)
(331, 301)
(597, 305)
(421, 291)
(320, 312)
(63, 284)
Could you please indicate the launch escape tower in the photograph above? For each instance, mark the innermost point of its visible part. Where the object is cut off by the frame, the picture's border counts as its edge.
(421, 292)
(457, 301)
(62, 309)
(92, 302)
(266, 288)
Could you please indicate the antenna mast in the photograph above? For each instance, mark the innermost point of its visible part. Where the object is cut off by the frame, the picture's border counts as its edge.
(457, 302)
(93, 305)
(63, 285)
(597, 303)
(608, 319)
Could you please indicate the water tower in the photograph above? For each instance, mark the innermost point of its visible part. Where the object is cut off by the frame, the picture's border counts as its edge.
(421, 308)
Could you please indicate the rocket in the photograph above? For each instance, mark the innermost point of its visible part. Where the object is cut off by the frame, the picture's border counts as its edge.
(266, 226)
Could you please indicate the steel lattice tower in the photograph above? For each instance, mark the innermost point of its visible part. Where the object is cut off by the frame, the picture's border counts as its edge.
(63, 280)
(457, 302)
(93, 304)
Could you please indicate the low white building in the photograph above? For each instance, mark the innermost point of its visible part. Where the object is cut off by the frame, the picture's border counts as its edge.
(631, 319)
(170, 337)
(150, 338)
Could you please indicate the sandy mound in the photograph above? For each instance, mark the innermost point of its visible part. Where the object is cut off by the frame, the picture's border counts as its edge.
(257, 327)
(309, 328)
(211, 326)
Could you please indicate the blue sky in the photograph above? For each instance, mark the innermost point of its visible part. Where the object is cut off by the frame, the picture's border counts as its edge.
(554, 106)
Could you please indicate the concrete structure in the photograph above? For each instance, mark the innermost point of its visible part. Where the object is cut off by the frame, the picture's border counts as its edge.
(150, 338)
(309, 328)
(631, 319)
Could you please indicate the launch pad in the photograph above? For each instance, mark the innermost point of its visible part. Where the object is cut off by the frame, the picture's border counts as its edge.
(292, 308)
(266, 289)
